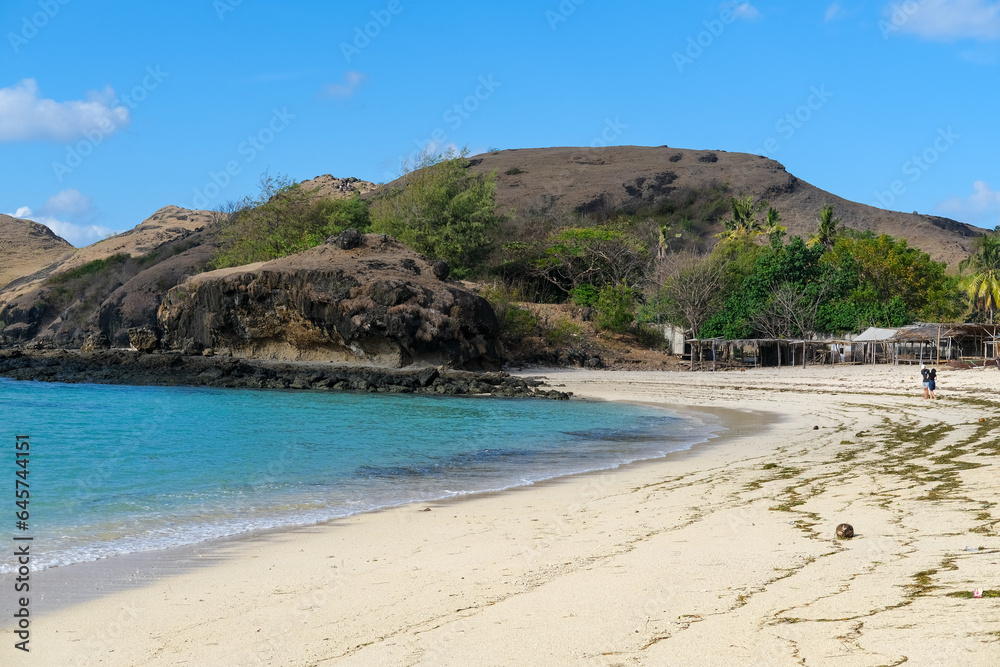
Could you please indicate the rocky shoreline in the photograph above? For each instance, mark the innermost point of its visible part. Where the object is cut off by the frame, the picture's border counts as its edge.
(119, 366)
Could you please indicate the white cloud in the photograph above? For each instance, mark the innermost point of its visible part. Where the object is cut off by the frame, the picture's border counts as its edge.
(982, 207)
(945, 20)
(743, 10)
(352, 81)
(833, 12)
(69, 214)
(24, 116)
(70, 201)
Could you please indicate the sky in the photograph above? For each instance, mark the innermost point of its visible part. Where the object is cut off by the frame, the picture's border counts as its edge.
(112, 110)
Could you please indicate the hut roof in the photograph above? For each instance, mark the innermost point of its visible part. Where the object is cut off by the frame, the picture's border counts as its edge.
(876, 334)
(929, 331)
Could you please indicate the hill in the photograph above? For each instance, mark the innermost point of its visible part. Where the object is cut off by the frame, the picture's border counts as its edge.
(539, 184)
(56, 292)
(26, 247)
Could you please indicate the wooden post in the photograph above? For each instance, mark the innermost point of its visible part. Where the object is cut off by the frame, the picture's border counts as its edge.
(803, 354)
(939, 345)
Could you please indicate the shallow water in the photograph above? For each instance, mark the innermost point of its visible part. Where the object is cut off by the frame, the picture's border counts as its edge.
(116, 469)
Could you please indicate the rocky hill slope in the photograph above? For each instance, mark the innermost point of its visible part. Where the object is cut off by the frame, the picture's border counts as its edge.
(553, 182)
(26, 247)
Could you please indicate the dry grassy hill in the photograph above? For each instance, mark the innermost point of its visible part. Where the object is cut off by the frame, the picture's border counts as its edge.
(26, 247)
(539, 183)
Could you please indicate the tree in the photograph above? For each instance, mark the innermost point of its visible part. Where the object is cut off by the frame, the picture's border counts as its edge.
(744, 222)
(827, 232)
(983, 284)
(772, 225)
(573, 257)
(693, 288)
(789, 311)
(444, 211)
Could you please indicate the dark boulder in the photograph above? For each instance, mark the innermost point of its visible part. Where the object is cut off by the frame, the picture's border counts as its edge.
(377, 304)
(144, 339)
(441, 269)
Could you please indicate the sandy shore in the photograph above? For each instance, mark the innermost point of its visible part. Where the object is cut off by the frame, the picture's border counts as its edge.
(724, 556)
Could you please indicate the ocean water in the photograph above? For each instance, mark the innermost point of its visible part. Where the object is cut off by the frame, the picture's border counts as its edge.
(118, 469)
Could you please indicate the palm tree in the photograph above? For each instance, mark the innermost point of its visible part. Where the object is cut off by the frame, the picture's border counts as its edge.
(742, 220)
(983, 284)
(827, 232)
(772, 225)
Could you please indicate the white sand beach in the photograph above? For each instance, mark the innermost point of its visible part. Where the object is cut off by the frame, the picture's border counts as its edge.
(725, 555)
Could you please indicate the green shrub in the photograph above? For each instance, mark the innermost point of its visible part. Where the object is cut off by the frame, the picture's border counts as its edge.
(89, 269)
(563, 332)
(283, 219)
(518, 323)
(443, 211)
(515, 322)
(615, 308)
(584, 295)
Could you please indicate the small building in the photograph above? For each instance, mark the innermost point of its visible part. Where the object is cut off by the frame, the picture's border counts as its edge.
(931, 343)
(675, 338)
(715, 353)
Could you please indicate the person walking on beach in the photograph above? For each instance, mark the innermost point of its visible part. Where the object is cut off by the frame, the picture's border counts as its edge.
(929, 376)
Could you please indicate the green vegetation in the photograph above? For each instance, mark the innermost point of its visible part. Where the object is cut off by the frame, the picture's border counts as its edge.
(983, 284)
(282, 219)
(627, 267)
(74, 294)
(563, 332)
(89, 269)
(443, 211)
(969, 594)
(827, 232)
(615, 308)
(745, 220)
(515, 322)
(795, 289)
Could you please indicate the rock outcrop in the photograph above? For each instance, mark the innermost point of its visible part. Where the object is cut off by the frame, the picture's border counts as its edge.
(338, 188)
(121, 281)
(363, 299)
(174, 369)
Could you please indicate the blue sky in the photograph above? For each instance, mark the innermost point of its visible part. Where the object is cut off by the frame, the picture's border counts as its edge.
(110, 110)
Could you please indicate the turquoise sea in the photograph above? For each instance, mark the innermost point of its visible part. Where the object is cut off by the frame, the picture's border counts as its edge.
(118, 469)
